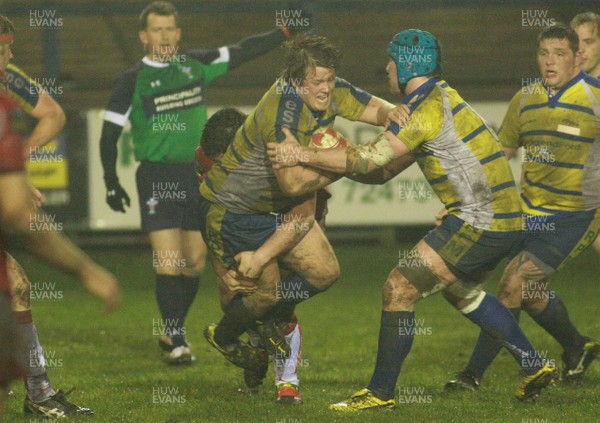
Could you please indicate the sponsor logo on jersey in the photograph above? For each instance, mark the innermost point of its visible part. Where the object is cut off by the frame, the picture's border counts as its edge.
(180, 98)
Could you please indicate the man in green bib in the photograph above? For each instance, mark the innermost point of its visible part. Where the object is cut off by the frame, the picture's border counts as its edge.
(164, 98)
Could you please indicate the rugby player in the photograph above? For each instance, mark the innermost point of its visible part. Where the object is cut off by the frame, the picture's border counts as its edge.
(38, 104)
(557, 123)
(218, 133)
(246, 201)
(36, 101)
(16, 207)
(461, 158)
(12, 362)
(163, 97)
(587, 26)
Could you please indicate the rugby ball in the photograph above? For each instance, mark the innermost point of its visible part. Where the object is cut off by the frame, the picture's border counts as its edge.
(325, 138)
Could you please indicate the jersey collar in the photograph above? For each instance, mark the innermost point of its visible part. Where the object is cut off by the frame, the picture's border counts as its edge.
(423, 90)
(552, 100)
(154, 63)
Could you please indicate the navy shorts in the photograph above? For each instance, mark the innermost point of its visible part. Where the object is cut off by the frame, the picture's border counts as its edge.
(557, 239)
(168, 196)
(470, 251)
(227, 234)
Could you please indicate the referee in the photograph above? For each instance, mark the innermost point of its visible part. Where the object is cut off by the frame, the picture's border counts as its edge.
(164, 98)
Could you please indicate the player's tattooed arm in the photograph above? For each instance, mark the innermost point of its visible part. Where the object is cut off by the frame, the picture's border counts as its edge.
(291, 228)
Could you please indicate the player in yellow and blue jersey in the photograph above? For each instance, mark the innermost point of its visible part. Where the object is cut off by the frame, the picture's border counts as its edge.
(247, 203)
(464, 163)
(557, 124)
(587, 26)
(218, 134)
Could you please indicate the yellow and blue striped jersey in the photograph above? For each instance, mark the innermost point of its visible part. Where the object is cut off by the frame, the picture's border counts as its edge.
(243, 180)
(461, 158)
(560, 136)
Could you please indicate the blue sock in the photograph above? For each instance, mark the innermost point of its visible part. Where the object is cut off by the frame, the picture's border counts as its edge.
(282, 311)
(169, 303)
(494, 318)
(294, 289)
(396, 335)
(555, 320)
(486, 350)
(235, 321)
(238, 318)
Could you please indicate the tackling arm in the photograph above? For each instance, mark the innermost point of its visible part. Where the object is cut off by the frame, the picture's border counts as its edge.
(295, 224)
(383, 174)
(354, 159)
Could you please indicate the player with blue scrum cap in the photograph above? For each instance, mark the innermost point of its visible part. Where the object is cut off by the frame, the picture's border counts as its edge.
(463, 161)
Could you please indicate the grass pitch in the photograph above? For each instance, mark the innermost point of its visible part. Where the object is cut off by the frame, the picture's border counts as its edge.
(114, 360)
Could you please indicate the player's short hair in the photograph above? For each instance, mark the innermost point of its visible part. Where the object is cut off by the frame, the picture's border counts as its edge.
(220, 130)
(306, 52)
(162, 8)
(586, 17)
(560, 31)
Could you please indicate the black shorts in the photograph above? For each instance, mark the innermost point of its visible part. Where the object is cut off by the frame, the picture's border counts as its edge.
(168, 196)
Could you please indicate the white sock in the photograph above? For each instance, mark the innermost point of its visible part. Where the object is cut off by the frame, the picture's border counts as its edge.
(38, 385)
(286, 370)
